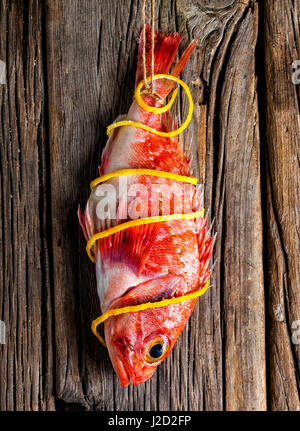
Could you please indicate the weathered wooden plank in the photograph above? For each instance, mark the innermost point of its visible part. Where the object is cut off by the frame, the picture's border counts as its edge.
(282, 137)
(242, 266)
(233, 192)
(26, 371)
(204, 337)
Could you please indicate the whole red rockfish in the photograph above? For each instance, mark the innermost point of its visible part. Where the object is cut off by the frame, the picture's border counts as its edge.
(147, 263)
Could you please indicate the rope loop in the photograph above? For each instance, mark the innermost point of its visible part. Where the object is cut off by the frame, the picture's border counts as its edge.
(155, 110)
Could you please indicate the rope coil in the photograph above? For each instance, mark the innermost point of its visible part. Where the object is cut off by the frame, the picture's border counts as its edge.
(155, 219)
(132, 223)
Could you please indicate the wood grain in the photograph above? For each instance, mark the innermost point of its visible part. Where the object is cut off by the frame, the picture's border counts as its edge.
(233, 165)
(26, 371)
(238, 211)
(282, 137)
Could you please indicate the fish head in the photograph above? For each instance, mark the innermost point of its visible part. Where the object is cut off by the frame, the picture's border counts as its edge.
(136, 350)
(139, 341)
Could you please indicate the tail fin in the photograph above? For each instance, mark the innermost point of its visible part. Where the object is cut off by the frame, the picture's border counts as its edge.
(165, 49)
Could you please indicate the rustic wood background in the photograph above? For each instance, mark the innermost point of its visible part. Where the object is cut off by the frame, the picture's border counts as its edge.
(70, 67)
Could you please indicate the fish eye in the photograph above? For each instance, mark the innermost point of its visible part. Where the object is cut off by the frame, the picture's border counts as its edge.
(156, 350)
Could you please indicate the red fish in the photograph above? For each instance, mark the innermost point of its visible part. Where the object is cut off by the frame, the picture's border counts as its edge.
(147, 263)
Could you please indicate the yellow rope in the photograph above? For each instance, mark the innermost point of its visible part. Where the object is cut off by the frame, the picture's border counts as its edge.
(138, 222)
(140, 307)
(148, 108)
(152, 172)
(155, 219)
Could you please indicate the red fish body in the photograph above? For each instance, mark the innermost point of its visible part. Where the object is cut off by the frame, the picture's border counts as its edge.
(152, 262)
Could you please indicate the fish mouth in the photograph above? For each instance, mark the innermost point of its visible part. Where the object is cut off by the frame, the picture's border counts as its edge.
(138, 380)
(122, 372)
(125, 376)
